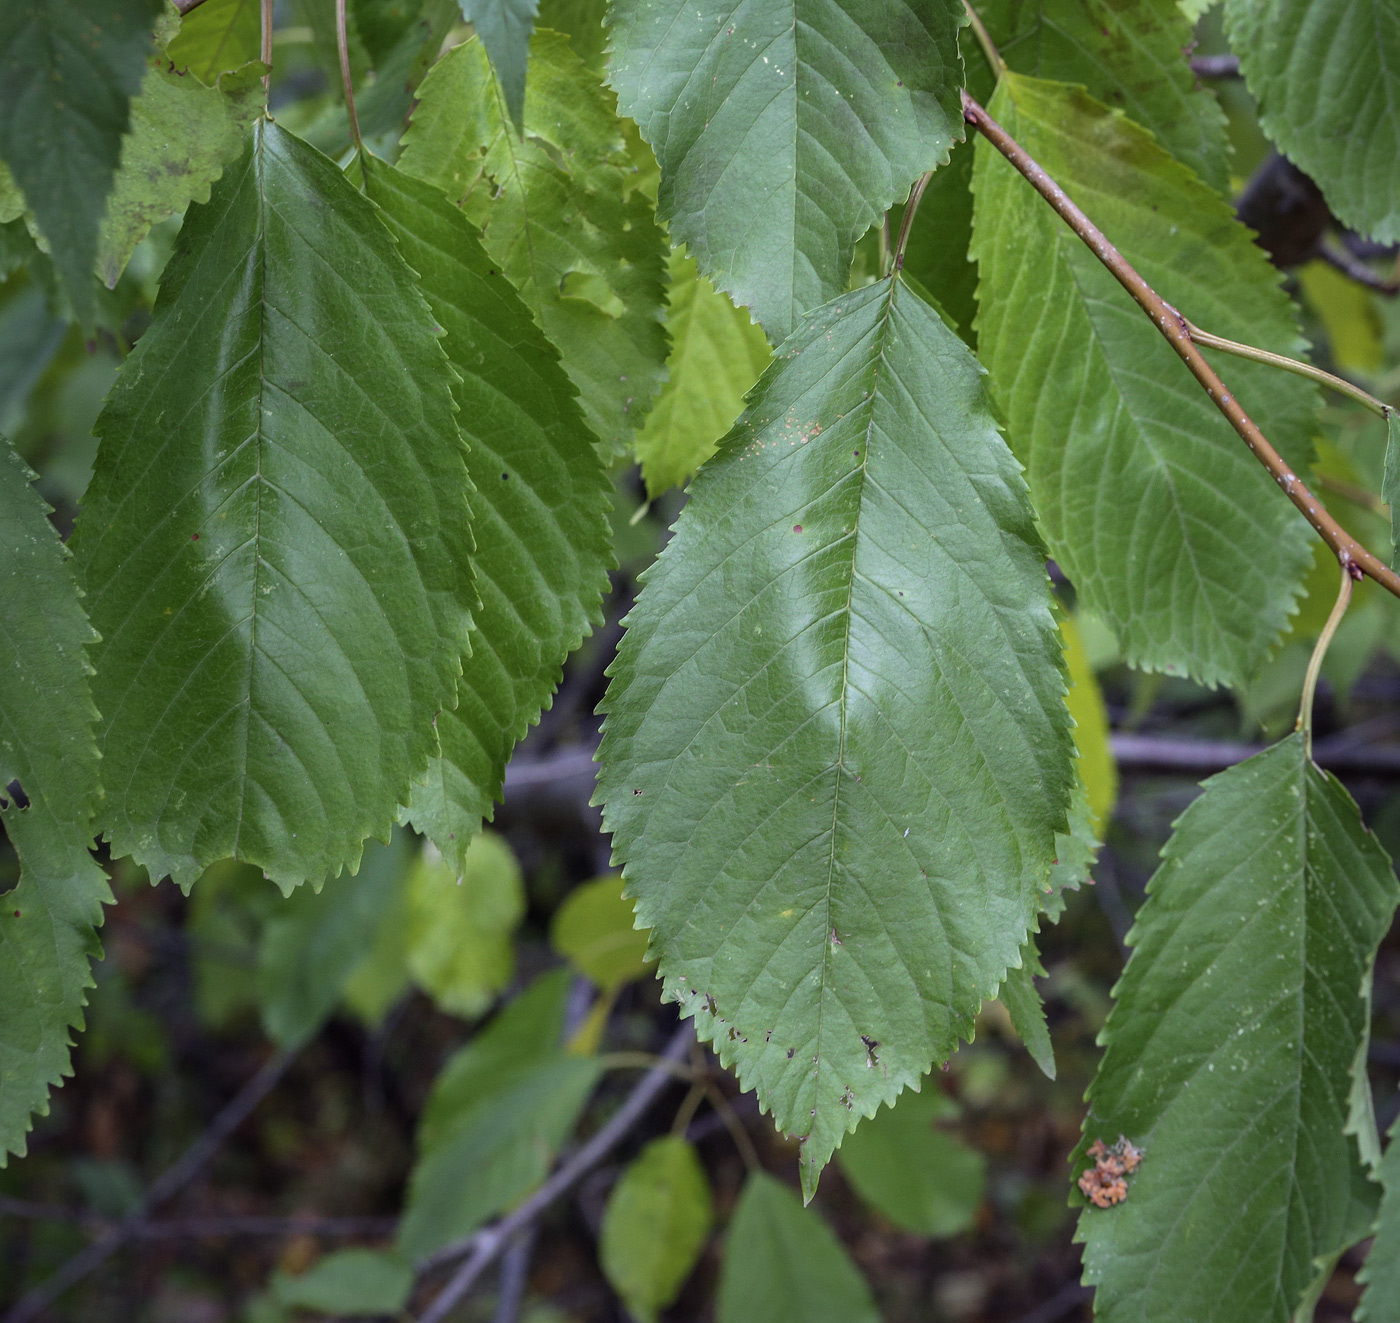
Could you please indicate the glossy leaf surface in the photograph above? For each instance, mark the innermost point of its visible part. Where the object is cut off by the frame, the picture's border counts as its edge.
(1230, 1047)
(817, 117)
(837, 751)
(1163, 520)
(276, 537)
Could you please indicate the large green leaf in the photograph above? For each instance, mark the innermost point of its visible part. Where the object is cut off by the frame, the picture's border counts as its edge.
(786, 130)
(543, 546)
(216, 37)
(1380, 1303)
(717, 354)
(1165, 522)
(68, 71)
(782, 1263)
(837, 751)
(47, 756)
(1129, 54)
(1326, 74)
(504, 27)
(276, 536)
(1230, 1046)
(557, 215)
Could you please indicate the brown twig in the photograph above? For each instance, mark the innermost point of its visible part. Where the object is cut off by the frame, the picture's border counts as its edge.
(1354, 557)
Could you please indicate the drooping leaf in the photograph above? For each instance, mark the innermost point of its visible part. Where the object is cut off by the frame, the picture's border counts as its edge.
(315, 941)
(1390, 483)
(539, 513)
(717, 354)
(182, 136)
(816, 117)
(504, 27)
(1129, 54)
(460, 924)
(1380, 1302)
(48, 791)
(216, 37)
(837, 751)
(1326, 74)
(556, 214)
(655, 1226)
(1229, 1049)
(593, 930)
(276, 537)
(68, 71)
(1023, 1004)
(1167, 525)
(349, 1282)
(920, 1177)
(781, 1262)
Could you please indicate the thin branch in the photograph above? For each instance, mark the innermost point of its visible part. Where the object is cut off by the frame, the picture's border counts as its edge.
(1162, 753)
(916, 195)
(736, 1129)
(646, 1061)
(1215, 66)
(205, 1228)
(347, 83)
(984, 40)
(1356, 494)
(1349, 552)
(1355, 269)
(515, 1277)
(1324, 640)
(168, 1184)
(184, 6)
(485, 1246)
(266, 53)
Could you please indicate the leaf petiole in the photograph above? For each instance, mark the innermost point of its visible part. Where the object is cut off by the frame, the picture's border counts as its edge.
(1339, 608)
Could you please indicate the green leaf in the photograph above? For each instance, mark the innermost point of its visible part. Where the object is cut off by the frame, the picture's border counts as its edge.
(1349, 316)
(557, 216)
(1326, 74)
(316, 940)
(1229, 1049)
(593, 930)
(47, 922)
(1129, 54)
(460, 923)
(276, 536)
(1390, 483)
(30, 336)
(497, 1113)
(1023, 1004)
(583, 22)
(1166, 524)
(782, 1262)
(816, 118)
(655, 1226)
(504, 27)
(1097, 770)
(182, 136)
(937, 255)
(349, 1281)
(216, 37)
(540, 514)
(1380, 1302)
(68, 70)
(717, 354)
(837, 751)
(920, 1177)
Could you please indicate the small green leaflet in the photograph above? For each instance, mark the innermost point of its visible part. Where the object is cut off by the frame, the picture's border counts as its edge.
(504, 27)
(717, 354)
(1326, 74)
(47, 922)
(276, 540)
(837, 750)
(352, 1282)
(1380, 1303)
(656, 1224)
(1390, 482)
(543, 545)
(558, 213)
(1132, 57)
(216, 37)
(782, 1263)
(1166, 524)
(68, 71)
(815, 117)
(1229, 1050)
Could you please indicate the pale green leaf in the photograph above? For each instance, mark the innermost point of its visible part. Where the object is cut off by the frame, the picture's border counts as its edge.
(1097, 770)
(655, 1226)
(1326, 74)
(1380, 1302)
(717, 354)
(48, 921)
(68, 71)
(837, 751)
(1349, 315)
(352, 1282)
(182, 136)
(504, 27)
(815, 117)
(782, 1263)
(557, 216)
(1229, 1050)
(920, 1177)
(276, 537)
(593, 930)
(460, 924)
(582, 22)
(216, 37)
(540, 513)
(1155, 509)
(1390, 482)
